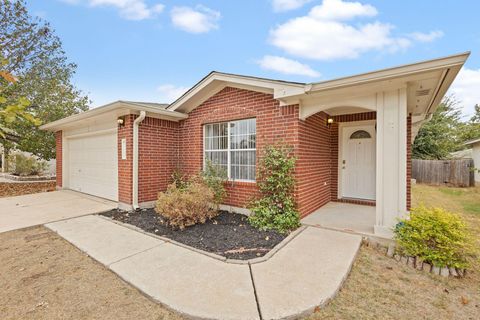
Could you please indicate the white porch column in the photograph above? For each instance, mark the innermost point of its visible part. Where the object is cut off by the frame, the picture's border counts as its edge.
(391, 178)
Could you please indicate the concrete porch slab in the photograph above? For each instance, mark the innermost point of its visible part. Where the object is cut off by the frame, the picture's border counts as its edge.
(104, 241)
(39, 208)
(343, 217)
(305, 274)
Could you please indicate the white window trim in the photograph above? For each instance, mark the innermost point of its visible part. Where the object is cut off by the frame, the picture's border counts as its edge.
(228, 150)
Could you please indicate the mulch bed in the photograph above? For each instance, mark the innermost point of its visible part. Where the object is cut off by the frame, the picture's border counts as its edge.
(229, 234)
(10, 189)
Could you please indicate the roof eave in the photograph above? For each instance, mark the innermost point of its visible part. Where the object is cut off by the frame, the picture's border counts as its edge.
(117, 105)
(390, 73)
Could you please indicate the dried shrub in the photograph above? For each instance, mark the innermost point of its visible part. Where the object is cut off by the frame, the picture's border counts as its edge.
(182, 207)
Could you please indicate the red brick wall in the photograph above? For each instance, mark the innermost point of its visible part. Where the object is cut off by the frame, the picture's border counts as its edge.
(158, 156)
(334, 143)
(313, 164)
(125, 166)
(274, 124)
(59, 157)
(409, 161)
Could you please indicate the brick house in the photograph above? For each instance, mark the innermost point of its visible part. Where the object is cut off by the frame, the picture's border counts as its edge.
(351, 136)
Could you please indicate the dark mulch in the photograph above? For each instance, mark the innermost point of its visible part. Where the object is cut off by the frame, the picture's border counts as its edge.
(229, 234)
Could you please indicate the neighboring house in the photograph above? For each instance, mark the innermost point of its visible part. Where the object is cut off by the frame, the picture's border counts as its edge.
(351, 136)
(475, 144)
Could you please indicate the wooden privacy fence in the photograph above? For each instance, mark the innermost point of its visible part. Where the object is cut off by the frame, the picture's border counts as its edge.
(457, 173)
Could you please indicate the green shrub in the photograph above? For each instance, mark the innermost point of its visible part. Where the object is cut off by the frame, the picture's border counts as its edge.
(215, 178)
(276, 208)
(183, 207)
(436, 236)
(27, 166)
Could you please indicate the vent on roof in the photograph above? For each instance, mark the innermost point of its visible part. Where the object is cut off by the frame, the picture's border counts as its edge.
(422, 92)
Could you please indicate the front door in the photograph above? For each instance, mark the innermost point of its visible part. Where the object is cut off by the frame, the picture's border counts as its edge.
(357, 161)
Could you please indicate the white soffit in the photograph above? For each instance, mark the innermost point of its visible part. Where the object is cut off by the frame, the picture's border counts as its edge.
(111, 112)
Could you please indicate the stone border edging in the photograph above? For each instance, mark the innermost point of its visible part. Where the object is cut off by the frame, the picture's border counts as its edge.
(417, 263)
(264, 258)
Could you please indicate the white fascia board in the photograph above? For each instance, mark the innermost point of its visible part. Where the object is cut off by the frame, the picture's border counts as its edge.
(117, 106)
(390, 73)
(218, 80)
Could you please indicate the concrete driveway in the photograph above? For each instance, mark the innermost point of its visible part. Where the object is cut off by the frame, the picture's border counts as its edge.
(39, 208)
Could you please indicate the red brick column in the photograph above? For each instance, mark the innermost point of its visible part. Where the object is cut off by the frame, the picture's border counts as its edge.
(59, 157)
(125, 166)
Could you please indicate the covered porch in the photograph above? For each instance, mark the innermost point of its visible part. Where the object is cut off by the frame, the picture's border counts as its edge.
(355, 135)
(344, 217)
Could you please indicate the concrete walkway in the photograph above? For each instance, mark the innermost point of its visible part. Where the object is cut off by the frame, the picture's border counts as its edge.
(39, 208)
(305, 273)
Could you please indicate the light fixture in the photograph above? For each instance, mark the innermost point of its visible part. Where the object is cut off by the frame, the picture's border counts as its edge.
(329, 122)
(120, 121)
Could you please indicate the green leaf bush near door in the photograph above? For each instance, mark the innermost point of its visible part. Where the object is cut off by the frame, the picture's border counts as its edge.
(436, 236)
(275, 209)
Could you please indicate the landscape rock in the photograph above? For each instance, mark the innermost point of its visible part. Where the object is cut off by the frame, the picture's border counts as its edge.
(453, 272)
(390, 250)
(435, 270)
(444, 272)
(426, 267)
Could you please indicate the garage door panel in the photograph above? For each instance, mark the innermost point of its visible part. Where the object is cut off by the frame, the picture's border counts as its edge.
(93, 166)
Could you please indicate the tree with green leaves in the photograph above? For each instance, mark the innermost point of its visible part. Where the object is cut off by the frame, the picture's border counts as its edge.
(471, 129)
(441, 135)
(34, 55)
(12, 109)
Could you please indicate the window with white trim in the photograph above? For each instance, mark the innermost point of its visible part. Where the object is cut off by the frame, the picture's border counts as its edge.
(232, 146)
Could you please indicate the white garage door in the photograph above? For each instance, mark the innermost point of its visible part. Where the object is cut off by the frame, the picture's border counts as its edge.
(92, 165)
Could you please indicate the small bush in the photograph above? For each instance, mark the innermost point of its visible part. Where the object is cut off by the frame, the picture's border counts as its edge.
(276, 208)
(436, 236)
(27, 166)
(183, 207)
(215, 178)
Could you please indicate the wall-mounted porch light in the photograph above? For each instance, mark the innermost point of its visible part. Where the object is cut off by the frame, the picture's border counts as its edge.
(121, 122)
(329, 122)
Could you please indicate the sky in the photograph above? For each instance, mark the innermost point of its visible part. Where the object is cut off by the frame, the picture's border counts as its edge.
(154, 50)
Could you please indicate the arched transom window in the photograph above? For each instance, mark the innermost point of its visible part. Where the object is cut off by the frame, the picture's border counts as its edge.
(360, 134)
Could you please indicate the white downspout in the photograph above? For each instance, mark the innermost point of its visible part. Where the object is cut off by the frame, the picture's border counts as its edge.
(135, 160)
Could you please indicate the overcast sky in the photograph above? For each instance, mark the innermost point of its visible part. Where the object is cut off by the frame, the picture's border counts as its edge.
(149, 50)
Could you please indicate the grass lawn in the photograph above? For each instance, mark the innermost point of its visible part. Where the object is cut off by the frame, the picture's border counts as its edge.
(42, 276)
(380, 288)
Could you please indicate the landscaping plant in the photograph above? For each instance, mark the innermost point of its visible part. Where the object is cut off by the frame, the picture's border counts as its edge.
(436, 236)
(27, 166)
(183, 207)
(275, 209)
(188, 202)
(215, 177)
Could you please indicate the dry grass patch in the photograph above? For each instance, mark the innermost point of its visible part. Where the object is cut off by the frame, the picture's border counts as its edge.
(44, 277)
(380, 288)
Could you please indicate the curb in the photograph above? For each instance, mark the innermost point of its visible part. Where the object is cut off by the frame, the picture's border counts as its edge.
(266, 257)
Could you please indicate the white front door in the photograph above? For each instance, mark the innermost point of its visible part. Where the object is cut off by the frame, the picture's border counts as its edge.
(357, 161)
